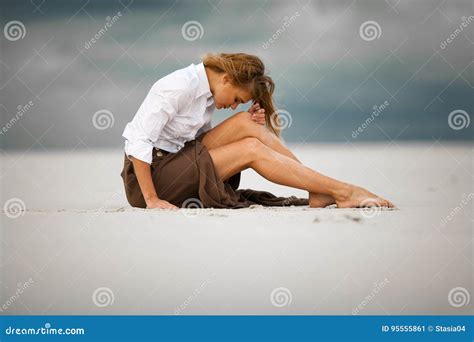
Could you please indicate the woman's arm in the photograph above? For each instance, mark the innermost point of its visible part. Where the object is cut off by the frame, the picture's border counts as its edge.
(143, 173)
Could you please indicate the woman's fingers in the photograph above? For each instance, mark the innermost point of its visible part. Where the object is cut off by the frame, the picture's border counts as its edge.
(254, 108)
(161, 204)
(259, 116)
(172, 206)
(260, 112)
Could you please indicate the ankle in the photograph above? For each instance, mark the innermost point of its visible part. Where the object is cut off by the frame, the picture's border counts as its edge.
(343, 192)
(320, 200)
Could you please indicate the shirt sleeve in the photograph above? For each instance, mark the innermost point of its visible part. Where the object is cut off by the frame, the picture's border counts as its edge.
(160, 105)
(206, 127)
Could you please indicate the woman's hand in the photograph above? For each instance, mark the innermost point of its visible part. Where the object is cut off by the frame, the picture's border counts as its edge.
(258, 114)
(157, 203)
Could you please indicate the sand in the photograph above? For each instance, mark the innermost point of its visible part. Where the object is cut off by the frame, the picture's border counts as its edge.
(78, 248)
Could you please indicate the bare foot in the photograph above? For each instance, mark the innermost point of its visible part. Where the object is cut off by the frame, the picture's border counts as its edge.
(320, 200)
(357, 197)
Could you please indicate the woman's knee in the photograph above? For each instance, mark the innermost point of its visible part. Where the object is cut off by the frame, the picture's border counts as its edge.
(245, 124)
(241, 120)
(242, 116)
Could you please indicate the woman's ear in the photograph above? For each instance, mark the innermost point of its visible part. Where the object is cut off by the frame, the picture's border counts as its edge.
(226, 78)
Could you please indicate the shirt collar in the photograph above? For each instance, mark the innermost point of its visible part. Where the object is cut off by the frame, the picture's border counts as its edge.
(203, 87)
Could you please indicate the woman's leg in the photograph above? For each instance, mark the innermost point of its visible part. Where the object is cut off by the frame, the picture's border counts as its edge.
(240, 126)
(251, 152)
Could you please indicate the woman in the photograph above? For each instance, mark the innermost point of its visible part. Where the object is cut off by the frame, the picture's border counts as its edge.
(173, 156)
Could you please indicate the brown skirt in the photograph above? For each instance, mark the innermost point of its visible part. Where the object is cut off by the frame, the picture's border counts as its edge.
(188, 178)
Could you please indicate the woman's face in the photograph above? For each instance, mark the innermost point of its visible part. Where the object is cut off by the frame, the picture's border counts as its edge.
(227, 95)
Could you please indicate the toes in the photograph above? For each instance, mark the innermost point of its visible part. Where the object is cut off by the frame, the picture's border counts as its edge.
(380, 202)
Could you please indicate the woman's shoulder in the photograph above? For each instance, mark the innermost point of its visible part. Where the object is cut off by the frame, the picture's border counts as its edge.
(184, 79)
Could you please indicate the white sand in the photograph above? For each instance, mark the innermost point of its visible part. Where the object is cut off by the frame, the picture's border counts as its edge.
(78, 234)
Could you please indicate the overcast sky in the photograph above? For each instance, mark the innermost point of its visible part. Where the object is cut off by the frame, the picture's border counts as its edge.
(329, 71)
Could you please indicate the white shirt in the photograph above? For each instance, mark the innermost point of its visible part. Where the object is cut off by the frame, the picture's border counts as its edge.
(177, 109)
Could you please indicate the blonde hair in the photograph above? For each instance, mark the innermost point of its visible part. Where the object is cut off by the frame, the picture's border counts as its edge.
(248, 72)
